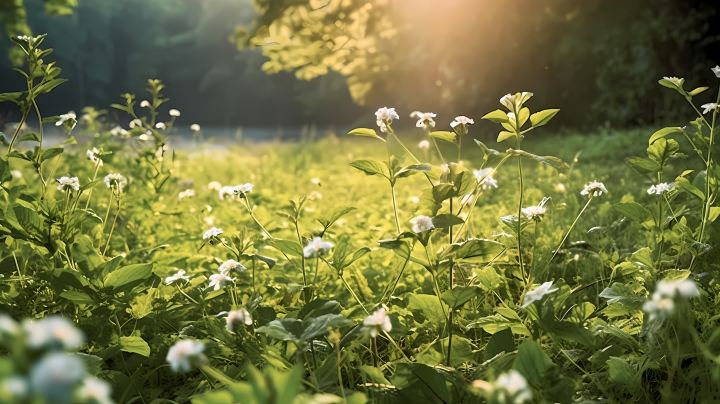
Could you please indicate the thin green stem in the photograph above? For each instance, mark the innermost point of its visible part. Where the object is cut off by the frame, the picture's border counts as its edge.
(97, 168)
(450, 286)
(519, 216)
(117, 213)
(570, 230)
(397, 219)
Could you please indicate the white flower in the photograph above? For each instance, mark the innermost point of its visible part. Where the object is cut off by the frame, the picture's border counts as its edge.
(230, 265)
(240, 315)
(219, 281)
(188, 193)
(144, 137)
(14, 388)
(92, 155)
(52, 331)
(425, 120)
(377, 322)
(685, 288)
(537, 294)
(315, 181)
(313, 196)
(244, 188)
(489, 181)
(658, 307)
(135, 122)
(65, 117)
(178, 276)
(516, 387)
(660, 189)
(384, 116)
(461, 120)
(413, 199)
(534, 212)
(184, 353)
(8, 326)
(316, 246)
(709, 107)
(515, 102)
(56, 375)
(678, 82)
(96, 390)
(68, 183)
(594, 188)
(145, 104)
(421, 224)
(424, 145)
(174, 112)
(195, 127)
(560, 188)
(115, 181)
(214, 186)
(213, 232)
(118, 130)
(160, 125)
(226, 191)
(16, 173)
(716, 70)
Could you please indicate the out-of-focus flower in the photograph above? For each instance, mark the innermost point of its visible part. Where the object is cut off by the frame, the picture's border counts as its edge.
(8, 326)
(576, 258)
(385, 116)
(144, 137)
(180, 275)
(660, 189)
(93, 155)
(226, 191)
(56, 376)
(231, 265)
(685, 288)
(145, 104)
(16, 173)
(184, 354)
(134, 123)
(68, 183)
(244, 188)
(218, 281)
(508, 388)
(425, 120)
(709, 107)
(52, 331)
(195, 127)
(240, 315)
(65, 117)
(315, 181)
(96, 390)
(658, 307)
(316, 246)
(534, 213)
(514, 102)
(174, 112)
(413, 199)
(489, 181)
(377, 322)
(560, 188)
(115, 181)
(716, 70)
(14, 389)
(424, 145)
(314, 195)
(537, 294)
(677, 81)
(161, 126)
(213, 232)
(188, 193)
(214, 186)
(421, 224)
(594, 188)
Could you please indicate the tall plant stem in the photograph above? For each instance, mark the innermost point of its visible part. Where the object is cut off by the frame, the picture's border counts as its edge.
(97, 168)
(450, 286)
(392, 132)
(305, 293)
(17, 130)
(340, 381)
(376, 357)
(117, 213)
(519, 226)
(562, 242)
(397, 219)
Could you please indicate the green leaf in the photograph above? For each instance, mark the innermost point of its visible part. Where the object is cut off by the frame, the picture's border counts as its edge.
(333, 216)
(444, 135)
(135, 345)
(504, 135)
(90, 184)
(553, 162)
(489, 279)
(365, 132)
(491, 158)
(47, 154)
(127, 275)
(620, 371)
(459, 295)
(288, 247)
(531, 361)
(18, 155)
(643, 166)
(77, 297)
(685, 185)
(697, 91)
(446, 220)
(28, 137)
(372, 167)
(633, 211)
(669, 84)
(662, 150)
(11, 97)
(481, 249)
(664, 132)
(429, 307)
(48, 86)
(620, 293)
(541, 118)
(501, 341)
(298, 332)
(497, 116)
(5, 174)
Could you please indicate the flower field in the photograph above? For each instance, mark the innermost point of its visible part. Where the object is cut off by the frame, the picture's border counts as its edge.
(375, 266)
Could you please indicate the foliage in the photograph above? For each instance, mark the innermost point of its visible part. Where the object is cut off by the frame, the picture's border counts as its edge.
(325, 277)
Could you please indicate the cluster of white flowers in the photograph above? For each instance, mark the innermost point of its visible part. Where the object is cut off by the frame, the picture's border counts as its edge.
(534, 213)
(709, 107)
(316, 246)
(384, 117)
(662, 303)
(594, 188)
(377, 322)
(231, 265)
(508, 388)
(240, 315)
(118, 131)
(174, 112)
(93, 155)
(115, 181)
(660, 189)
(421, 224)
(188, 193)
(184, 354)
(537, 294)
(213, 232)
(65, 117)
(68, 183)
(425, 119)
(488, 182)
(218, 281)
(180, 275)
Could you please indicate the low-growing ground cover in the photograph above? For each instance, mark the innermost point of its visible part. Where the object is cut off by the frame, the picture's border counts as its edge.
(346, 269)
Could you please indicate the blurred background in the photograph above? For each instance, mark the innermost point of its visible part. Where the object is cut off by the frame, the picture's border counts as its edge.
(282, 64)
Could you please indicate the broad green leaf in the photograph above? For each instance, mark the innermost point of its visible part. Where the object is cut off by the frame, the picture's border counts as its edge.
(5, 174)
(446, 220)
(10, 97)
(491, 157)
(47, 154)
(127, 275)
(218, 375)
(531, 361)
(633, 211)
(135, 345)
(685, 185)
(77, 297)
(504, 135)
(620, 293)
(669, 84)
(643, 166)
(444, 135)
(288, 247)
(319, 307)
(429, 307)
(373, 375)
(365, 132)
(28, 137)
(497, 116)
(524, 115)
(481, 249)
(372, 167)
(664, 132)
(488, 278)
(553, 162)
(541, 118)
(334, 215)
(620, 371)
(697, 91)
(459, 295)
(501, 341)
(661, 150)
